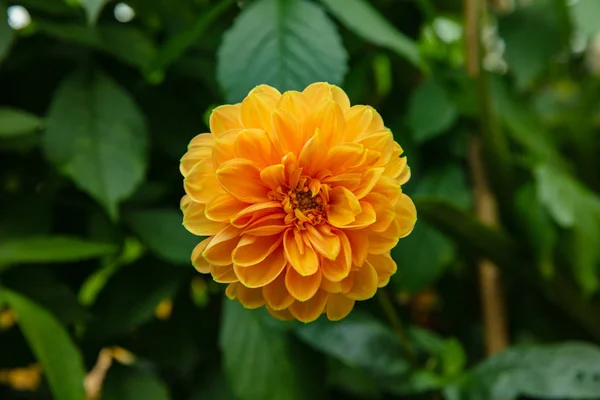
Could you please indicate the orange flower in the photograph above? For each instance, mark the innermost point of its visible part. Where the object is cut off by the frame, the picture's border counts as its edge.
(299, 195)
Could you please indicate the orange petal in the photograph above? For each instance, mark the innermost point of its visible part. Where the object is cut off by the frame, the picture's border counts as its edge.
(224, 147)
(273, 176)
(383, 242)
(250, 298)
(241, 178)
(266, 90)
(309, 310)
(283, 315)
(218, 252)
(338, 306)
(385, 267)
(313, 154)
(185, 202)
(343, 157)
(389, 188)
(317, 94)
(377, 140)
(254, 145)
(286, 130)
(276, 294)
(231, 291)
(404, 176)
(340, 97)
(368, 180)
(254, 212)
(365, 283)
(223, 274)
(268, 225)
(329, 119)
(358, 118)
(396, 167)
(224, 118)
(195, 221)
(343, 207)
(325, 243)
(295, 103)
(193, 157)
(201, 183)
(365, 218)
(198, 261)
(223, 207)
(329, 286)
(359, 243)
(383, 210)
(202, 140)
(406, 215)
(338, 269)
(302, 287)
(304, 260)
(256, 111)
(252, 250)
(263, 272)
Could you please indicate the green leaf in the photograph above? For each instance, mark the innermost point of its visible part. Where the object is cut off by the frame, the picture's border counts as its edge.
(126, 43)
(261, 361)
(431, 111)
(97, 136)
(52, 346)
(568, 370)
(287, 44)
(17, 122)
(93, 8)
(131, 296)
(126, 383)
(6, 34)
(352, 380)
(51, 249)
(585, 14)
(467, 231)
(359, 340)
(364, 20)
(163, 233)
(534, 35)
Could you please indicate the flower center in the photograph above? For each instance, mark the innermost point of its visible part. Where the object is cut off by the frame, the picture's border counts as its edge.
(304, 200)
(302, 204)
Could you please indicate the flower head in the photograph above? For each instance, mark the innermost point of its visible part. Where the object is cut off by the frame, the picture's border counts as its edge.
(300, 197)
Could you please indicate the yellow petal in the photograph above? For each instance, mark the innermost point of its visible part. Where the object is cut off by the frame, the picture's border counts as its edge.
(254, 145)
(198, 261)
(338, 269)
(313, 154)
(365, 218)
(326, 244)
(385, 267)
(329, 286)
(276, 294)
(252, 250)
(365, 283)
(201, 183)
(340, 97)
(224, 147)
(241, 178)
(406, 215)
(268, 225)
(383, 242)
(368, 181)
(404, 176)
(250, 298)
(301, 287)
(310, 310)
(231, 291)
(195, 221)
(343, 207)
(286, 130)
(266, 90)
(317, 94)
(389, 188)
(283, 315)
(329, 120)
(263, 272)
(273, 176)
(295, 103)
(338, 306)
(193, 157)
(396, 167)
(358, 118)
(223, 207)
(255, 212)
(343, 157)
(202, 140)
(304, 260)
(359, 243)
(224, 118)
(223, 274)
(218, 252)
(384, 211)
(256, 111)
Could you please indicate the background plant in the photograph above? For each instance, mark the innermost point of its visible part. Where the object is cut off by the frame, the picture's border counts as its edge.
(495, 103)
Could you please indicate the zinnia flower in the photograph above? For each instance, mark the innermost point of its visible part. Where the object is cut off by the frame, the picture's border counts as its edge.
(299, 195)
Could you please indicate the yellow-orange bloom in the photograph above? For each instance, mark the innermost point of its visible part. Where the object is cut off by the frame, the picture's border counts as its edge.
(300, 197)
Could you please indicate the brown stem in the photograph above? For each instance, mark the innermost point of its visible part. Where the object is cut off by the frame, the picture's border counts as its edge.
(492, 299)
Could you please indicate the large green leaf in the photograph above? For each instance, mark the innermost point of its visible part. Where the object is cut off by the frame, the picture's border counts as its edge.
(359, 340)
(287, 44)
(585, 15)
(431, 111)
(364, 20)
(93, 8)
(561, 371)
(97, 136)
(126, 43)
(260, 360)
(52, 346)
(123, 383)
(6, 33)
(17, 122)
(51, 249)
(163, 233)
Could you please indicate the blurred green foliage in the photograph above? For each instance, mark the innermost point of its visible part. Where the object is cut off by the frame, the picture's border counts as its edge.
(98, 100)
